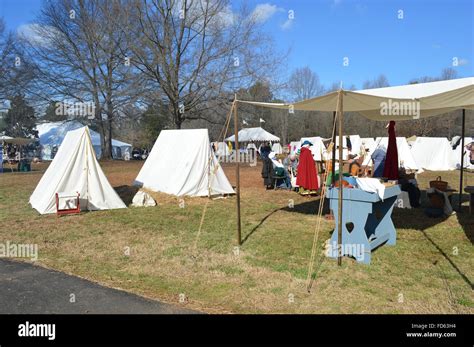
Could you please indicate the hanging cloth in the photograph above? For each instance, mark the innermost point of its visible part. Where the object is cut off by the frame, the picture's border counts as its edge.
(390, 169)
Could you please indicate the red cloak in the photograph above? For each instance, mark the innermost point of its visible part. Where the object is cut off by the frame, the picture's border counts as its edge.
(390, 169)
(307, 174)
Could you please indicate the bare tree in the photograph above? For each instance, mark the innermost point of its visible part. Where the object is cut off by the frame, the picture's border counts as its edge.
(380, 82)
(78, 48)
(15, 71)
(304, 84)
(194, 51)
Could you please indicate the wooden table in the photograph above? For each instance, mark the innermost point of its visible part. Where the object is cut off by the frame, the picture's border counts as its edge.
(366, 221)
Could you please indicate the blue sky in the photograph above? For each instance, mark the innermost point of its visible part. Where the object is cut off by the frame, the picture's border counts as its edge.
(369, 33)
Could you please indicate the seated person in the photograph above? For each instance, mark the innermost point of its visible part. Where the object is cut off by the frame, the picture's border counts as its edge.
(291, 163)
(280, 170)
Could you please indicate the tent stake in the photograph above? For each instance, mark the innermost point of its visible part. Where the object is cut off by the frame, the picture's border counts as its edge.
(463, 130)
(237, 170)
(341, 165)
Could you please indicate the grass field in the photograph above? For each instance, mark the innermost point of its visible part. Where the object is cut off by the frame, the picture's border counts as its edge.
(430, 270)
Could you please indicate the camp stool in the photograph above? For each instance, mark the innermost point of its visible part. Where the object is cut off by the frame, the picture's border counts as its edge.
(67, 197)
(276, 178)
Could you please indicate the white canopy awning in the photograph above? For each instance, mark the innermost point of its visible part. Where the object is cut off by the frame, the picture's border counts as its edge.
(254, 134)
(393, 103)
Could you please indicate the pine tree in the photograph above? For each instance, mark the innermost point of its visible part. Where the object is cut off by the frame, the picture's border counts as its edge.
(20, 119)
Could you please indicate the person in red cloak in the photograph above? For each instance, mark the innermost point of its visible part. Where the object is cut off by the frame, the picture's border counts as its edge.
(307, 175)
(390, 169)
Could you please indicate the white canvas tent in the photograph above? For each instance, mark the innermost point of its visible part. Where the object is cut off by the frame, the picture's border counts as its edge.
(405, 157)
(277, 148)
(367, 142)
(222, 150)
(181, 163)
(75, 169)
(356, 142)
(254, 135)
(433, 153)
(52, 134)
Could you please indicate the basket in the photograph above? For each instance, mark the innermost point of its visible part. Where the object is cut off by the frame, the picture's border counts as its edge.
(439, 184)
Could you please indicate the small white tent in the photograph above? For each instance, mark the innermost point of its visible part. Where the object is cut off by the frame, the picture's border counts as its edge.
(405, 157)
(318, 148)
(52, 134)
(254, 135)
(433, 153)
(221, 149)
(181, 163)
(277, 148)
(75, 169)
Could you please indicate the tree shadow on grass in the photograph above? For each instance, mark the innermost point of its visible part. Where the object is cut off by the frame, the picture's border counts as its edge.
(463, 276)
(416, 219)
(309, 207)
(259, 224)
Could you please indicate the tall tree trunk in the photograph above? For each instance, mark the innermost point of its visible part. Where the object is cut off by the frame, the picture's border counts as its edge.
(107, 132)
(107, 150)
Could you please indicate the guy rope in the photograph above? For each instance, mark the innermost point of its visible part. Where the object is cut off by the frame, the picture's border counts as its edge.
(309, 278)
(222, 135)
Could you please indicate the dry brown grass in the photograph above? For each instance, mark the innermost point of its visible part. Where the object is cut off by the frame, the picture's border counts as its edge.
(271, 267)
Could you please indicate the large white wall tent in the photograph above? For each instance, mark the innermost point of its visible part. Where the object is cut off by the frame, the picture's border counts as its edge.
(254, 135)
(52, 134)
(181, 163)
(433, 153)
(367, 142)
(75, 169)
(405, 157)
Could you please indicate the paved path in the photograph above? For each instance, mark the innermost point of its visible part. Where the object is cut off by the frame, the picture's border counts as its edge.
(25, 288)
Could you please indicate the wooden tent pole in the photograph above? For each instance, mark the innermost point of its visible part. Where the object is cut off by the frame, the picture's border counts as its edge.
(463, 130)
(341, 165)
(237, 170)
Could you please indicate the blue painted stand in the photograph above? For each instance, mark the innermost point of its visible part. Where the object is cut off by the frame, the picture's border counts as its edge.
(368, 219)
